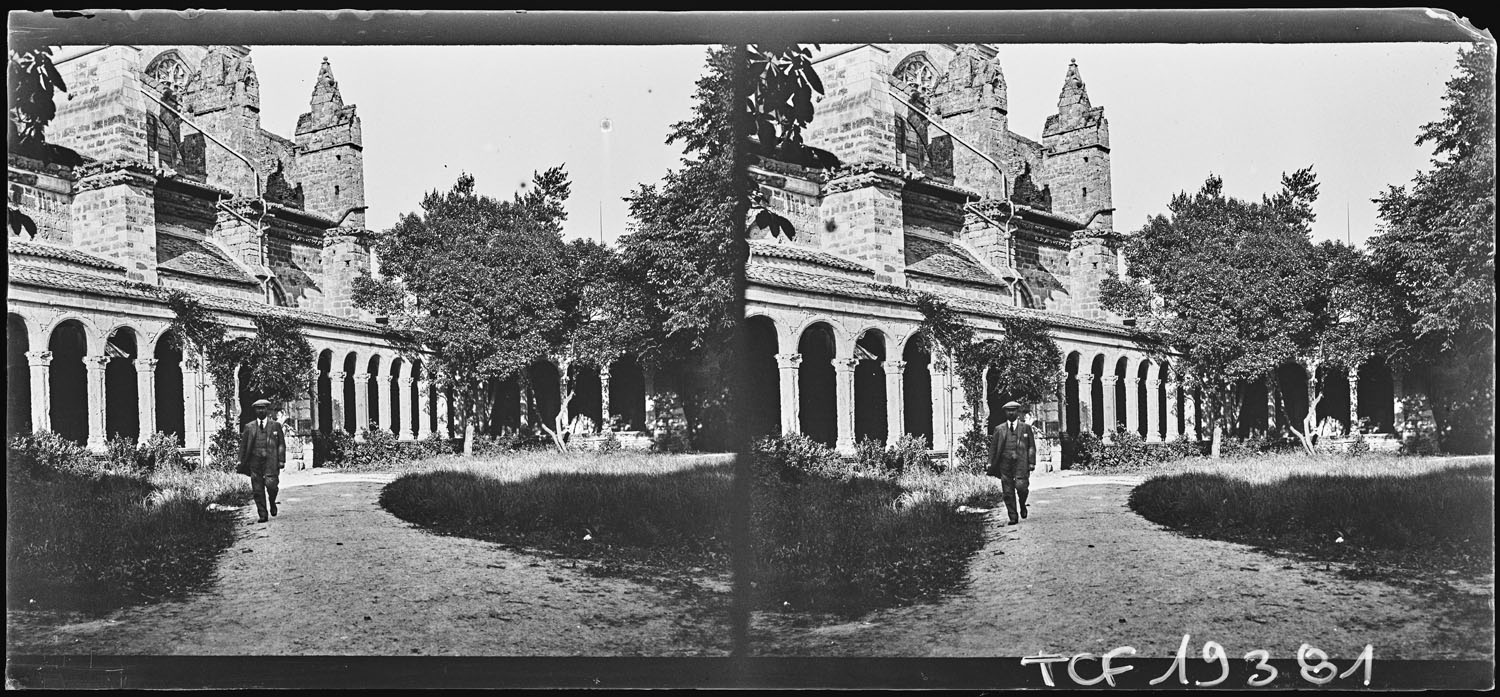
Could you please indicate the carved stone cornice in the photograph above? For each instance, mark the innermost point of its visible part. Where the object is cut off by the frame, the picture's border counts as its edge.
(338, 235)
(99, 175)
(852, 180)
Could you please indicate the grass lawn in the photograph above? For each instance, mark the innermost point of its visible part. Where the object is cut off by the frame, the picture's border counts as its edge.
(96, 543)
(1382, 511)
(822, 545)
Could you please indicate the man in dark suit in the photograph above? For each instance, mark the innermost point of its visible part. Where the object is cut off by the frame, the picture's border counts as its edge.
(1012, 457)
(262, 456)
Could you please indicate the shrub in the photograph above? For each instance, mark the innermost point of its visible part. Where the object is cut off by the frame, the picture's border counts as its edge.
(973, 454)
(869, 455)
(610, 444)
(1421, 442)
(907, 454)
(1079, 449)
(332, 448)
(224, 449)
(44, 453)
(795, 458)
(160, 452)
(1358, 447)
(119, 455)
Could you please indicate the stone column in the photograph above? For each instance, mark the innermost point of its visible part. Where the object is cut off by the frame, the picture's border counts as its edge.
(1353, 401)
(787, 367)
(648, 379)
(1398, 411)
(336, 400)
(1153, 410)
(604, 424)
(424, 408)
(312, 404)
(1085, 402)
(1189, 414)
(212, 409)
(96, 366)
(1173, 430)
(982, 408)
(192, 401)
(404, 430)
(383, 405)
(844, 396)
(895, 401)
(942, 403)
(361, 404)
(1110, 423)
(40, 363)
(443, 428)
(1133, 404)
(145, 394)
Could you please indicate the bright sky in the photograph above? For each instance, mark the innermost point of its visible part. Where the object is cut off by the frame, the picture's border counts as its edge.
(430, 113)
(1247, 112)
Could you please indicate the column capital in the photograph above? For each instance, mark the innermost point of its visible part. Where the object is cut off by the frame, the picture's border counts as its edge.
(788, 360)
(97, 362)
(39, 359)
(845, 365)
(383, 380)
(405, 382)
(147, 364)
(1172, 386)
(893, 367)
(1132, 380)
(361, 376)
(1153, 383)
(339, 376)
(1109, 380)
(1084, 378)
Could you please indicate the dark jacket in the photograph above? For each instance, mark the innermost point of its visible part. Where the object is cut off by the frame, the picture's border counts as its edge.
(275, 433)
(1027, 438)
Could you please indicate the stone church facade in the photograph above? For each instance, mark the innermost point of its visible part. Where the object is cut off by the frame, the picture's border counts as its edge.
(936, 193)
(179, 187)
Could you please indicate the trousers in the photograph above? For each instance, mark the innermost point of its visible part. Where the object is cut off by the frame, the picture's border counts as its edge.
(263, 485)
(1012, 488)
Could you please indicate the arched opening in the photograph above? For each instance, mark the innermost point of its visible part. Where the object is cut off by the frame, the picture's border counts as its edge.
(413, 406)
(1164, 423)
(398, 371)
(505, 405)
(326, 417)
(122, 414)
(17, 377)
(350, 388)
(916, 388)
(69, 389)
(373, 398)
(1121, 395)
(869, 386)
(171, 398)
(1291, 386)
(588, 395)
(762, 379)
(627, 393)
(1070, 394)
(1143, 402)
(247, 396)
(1377, 396)
(1335, 402)
(544, 391)
(816, 384)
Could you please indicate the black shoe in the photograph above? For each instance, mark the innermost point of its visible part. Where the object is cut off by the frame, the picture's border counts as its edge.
(1023, 509)
(263, 519)
(1013, 521)
(273, 509)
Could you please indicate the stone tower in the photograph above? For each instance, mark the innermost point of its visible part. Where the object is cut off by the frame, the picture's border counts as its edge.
(1075, 146)
(973, 103)
(330, 154)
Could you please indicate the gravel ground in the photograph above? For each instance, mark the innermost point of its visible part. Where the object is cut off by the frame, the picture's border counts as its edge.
(337, 575)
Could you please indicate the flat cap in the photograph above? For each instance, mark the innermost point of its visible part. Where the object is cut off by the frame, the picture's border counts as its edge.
(262, 403)
(1012, 403)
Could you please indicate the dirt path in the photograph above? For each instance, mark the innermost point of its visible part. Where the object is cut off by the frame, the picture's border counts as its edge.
(1084, 573)
(335, 574)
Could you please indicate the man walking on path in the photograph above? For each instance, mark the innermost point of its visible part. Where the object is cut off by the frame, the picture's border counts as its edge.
(262, 456)
(1012, 456)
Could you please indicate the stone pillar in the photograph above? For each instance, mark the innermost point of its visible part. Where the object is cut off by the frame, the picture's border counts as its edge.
(336, 400)
(1173, 430)
(942, 404)
(1110, 422)
(1398, 410)
(895, 401)
(361, 404)
(982, 407)
(443, 428)
(787, 366)
(1133, 404)
(424, 408)
(96, 366)
(404, 430)
(648, 379)
(1153, 410)
(1189, 414)
(844, 396)
(383, 405)
(312, 404)
(145, 393)
(41, 389)
(192, 403)
(1085, 402)
(604, 424)
(1353, 401)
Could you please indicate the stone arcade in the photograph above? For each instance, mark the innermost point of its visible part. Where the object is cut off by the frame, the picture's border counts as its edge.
(996, 223)
(180, 187)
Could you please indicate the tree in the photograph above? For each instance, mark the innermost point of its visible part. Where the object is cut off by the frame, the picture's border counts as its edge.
(1227, 286)
(33, 81)
(1437, 249)
(478, 282)
(778, 104)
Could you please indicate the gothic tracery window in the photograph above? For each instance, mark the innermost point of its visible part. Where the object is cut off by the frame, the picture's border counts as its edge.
(169, 70)
(916, 69)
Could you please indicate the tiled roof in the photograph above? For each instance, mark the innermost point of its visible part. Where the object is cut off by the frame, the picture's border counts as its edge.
(845, 287)
(39, 249)
(32, 274)
(947, 260)
(197, 258)
(812, 256)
